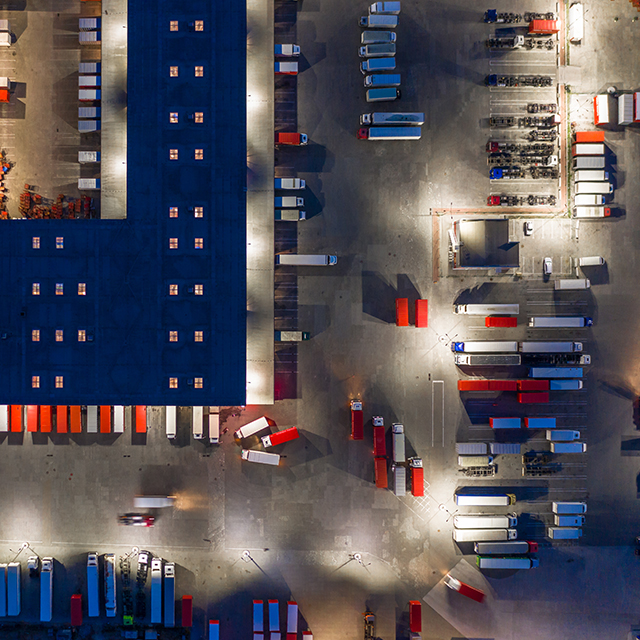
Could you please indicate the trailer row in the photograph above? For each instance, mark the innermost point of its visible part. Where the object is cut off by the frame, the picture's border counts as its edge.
(529, 384)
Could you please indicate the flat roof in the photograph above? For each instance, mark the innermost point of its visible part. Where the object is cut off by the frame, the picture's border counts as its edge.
(185, 234)
(485, 244)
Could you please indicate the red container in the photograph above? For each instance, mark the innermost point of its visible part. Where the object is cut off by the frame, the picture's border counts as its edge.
(533, 398)
(16, 418)
(589, 136)
(141, 419)
(357, 421)
(32, 418)
(105, 419)
(45, 418)
(533, 385)
(402, 312)
(417, 481)
(473, 385)
(422, 313)
(380, 466)
(75, 417)
(187, 611)
(415, 616)
(500, 321)
(503, 385)
(76, 610)
(379, 443)
(62, 420)
(543, 26)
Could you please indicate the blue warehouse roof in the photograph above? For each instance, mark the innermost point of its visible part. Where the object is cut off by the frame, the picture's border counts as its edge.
(155, 324)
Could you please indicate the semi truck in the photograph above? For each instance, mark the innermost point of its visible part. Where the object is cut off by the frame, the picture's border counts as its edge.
(110, 584)
(156, 591)
(514, 562)
(473, 535)
(290, 215)
(377, 64)
(389, 133)
(306, 260)
(565, 385)
(253, 427)
(555, 372)
(414, 119)
(280, 437)
(484, 347)
(261, 457)
(416, 476)
(487, 309)
(495, 500)
(474, 360)
(291, 336)
(463, 589)
(169, 594)
(379, 21)
(291, 138)
(46, 590)
(550, 347)
(386, 8)
(486, 522)
(566, 322)
(285, 68)
(592, 211)
(286, 50)
(505, 548)
(569, 507)
(387, 94)
(289, 183)
(93, 593)
(288, 201)
(382, 50)
(383, 80)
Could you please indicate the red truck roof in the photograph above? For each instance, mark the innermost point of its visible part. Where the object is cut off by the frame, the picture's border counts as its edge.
(357, 421)
(533, 398)
(533, 385)
(500, 321)
(422, 313)
(402, 312)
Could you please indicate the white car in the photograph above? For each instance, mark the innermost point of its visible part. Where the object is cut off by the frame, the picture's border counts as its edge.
(547, 266)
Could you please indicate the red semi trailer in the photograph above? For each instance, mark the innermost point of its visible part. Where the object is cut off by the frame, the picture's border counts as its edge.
(357, 420)
(280, 437)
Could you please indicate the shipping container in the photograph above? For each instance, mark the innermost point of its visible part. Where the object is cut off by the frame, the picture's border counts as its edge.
(463, 589)
(601, 109)
(505, 423)
(471, 448)
(473, 535)
(540, 397)
(555, 372)
(402, 312)
(506, 521)
(380, 469)
(625, 108)
(422, 313)
(533, 385)
(565, 385)
(500, 321)
(543, 27)
(505, 548)
(415, 614)
(568, 447)
(357, 420)
(513, 562)
(563, 435)
(540, 423)
(505, 448)
(588, 149)
(589, 136)
(495, 500)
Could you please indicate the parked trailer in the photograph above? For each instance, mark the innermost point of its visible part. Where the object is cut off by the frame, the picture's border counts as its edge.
(261, 457)
(555, 372)
(568, 447)
(416, 477)
(93, 593)
(474, 461)
(76, 610)
(156, 591)
(46, 590)
(377, 37)
(565, 385)
(382, 50)
(170, 422)
(379, 441)
(487, 385)
(286, 50)
(505, 548)
(258, 616)
(197, 422)
(478, 360)
(504, 322)
(559, 533)
(415, 614)
(484, 347)
(487, 309)
(568, 520)
(514, 562)
(505, 448)
(581, 149)
(274, 615)
(602, 188)
(399, 480)
(13, 589)
(280, 437)
(463, 589)
(292, 618)
(380, 472)
(505, 423)
(473, 535)
(495, 500)
(389, 133)
(110, 584)
(567, 322)
(540, 423)
(591, 212)
(580, 283)
(569, 507)
(253, 427)
(397, 434)
(485, 522)
(533, 384)
(550, 347)
(533, 398)
(290, 215)
(306, 260)
(588, 162)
